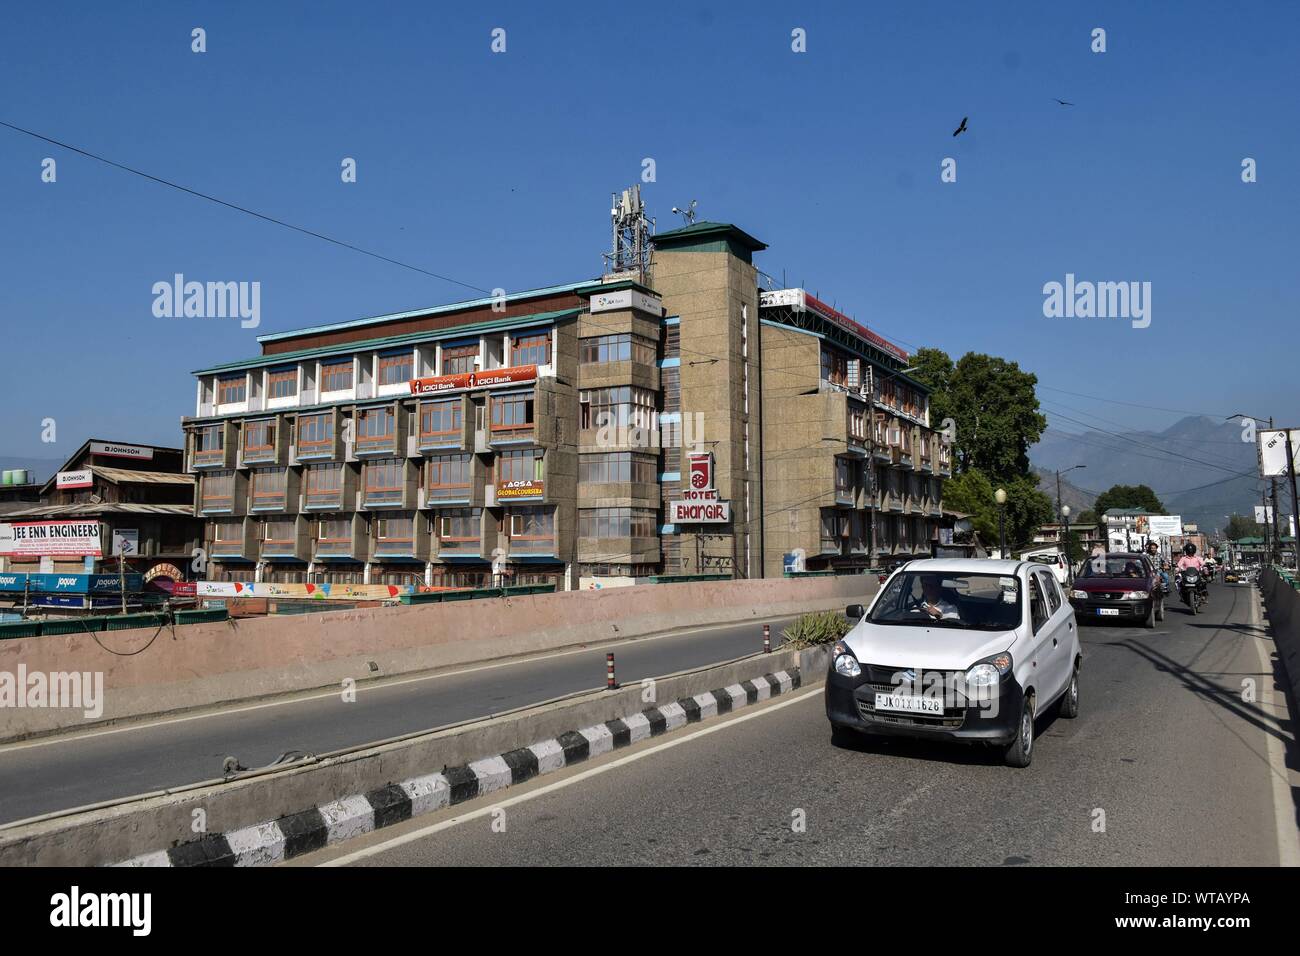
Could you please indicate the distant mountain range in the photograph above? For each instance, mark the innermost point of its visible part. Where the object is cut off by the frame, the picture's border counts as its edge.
(1189, 465)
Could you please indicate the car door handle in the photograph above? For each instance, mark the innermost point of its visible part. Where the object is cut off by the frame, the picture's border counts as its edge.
(1055, 642)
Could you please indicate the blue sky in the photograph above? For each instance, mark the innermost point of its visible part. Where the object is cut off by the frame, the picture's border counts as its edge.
(496, 169)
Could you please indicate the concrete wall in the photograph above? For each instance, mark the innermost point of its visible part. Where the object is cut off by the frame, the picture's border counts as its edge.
(1283, 604)
(204, 664)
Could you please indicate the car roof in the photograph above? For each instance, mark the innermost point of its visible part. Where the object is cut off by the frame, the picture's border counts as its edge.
(966, 565)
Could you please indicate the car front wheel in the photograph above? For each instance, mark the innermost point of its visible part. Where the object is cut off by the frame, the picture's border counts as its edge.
(1021, 750)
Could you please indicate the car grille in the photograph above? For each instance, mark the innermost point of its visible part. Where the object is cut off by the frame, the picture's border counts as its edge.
(866, 698)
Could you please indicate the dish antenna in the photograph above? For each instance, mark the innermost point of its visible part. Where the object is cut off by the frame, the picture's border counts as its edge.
(688, 213)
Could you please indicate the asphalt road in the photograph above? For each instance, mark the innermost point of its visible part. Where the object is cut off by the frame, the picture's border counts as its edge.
(75, 770)
(1185, 771)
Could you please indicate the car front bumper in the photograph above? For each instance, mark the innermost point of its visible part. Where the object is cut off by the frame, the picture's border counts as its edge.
(850, 702)
(1090, 609)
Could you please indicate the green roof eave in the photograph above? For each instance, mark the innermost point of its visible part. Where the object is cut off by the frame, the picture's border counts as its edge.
(709, 237)
(287, 358)
(435, 310)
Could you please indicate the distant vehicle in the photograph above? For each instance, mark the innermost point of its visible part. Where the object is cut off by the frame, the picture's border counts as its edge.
(1231, 576)
(1122, 586)
(1053, 559)
(961, 649)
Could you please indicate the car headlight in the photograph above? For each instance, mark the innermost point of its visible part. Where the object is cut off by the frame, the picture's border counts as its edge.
(846, 665)
(1134, 596)
(1079, 595)
(988, 672)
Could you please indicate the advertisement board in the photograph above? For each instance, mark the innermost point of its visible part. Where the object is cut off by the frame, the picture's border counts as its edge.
(84, 478)
(1165, 525)
(437, 384)
(117, 450)
(520, 490)
(1272, 451)
(34, 539)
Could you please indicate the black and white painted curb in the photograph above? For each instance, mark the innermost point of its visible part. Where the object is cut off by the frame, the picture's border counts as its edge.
(299, 833)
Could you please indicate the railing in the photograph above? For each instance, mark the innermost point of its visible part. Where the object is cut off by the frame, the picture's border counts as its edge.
(334, 546)
(212, 456)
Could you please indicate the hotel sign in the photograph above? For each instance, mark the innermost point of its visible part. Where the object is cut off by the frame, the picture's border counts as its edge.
(454, 383)
(519, 490)
(701, 503)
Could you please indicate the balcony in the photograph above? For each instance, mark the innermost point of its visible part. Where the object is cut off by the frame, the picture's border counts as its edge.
(209, 458)
(455, 547)
(258, 456)
(334, 548)
(232, 549)
(323, 500)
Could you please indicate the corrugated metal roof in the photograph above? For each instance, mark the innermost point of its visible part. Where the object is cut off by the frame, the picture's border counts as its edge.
(288, 358)
(103, 508)
(129, 476)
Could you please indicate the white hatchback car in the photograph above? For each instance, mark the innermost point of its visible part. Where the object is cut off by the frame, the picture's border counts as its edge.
(962, 649)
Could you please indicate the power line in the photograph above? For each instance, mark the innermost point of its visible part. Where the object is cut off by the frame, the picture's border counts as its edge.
(1141, 444)
(238, 208)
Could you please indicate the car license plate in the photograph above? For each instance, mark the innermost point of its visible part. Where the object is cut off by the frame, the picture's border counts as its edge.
(910, 705)
(1108, 611)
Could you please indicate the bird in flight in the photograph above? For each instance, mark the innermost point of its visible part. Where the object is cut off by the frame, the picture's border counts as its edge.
(1063, 102)
(962, 127)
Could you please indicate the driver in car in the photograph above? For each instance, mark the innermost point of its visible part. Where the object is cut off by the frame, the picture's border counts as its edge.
(934, 602)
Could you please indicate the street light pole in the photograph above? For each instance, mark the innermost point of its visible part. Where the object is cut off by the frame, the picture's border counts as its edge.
(1000, 496)
(1272, 484)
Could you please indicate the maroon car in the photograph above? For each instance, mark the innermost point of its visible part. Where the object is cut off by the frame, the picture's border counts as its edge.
(1119, 586)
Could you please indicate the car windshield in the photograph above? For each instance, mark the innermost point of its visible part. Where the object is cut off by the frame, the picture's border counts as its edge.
(1114, 566)
(982, 602)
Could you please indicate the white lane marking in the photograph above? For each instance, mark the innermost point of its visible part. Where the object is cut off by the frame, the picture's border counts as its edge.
(423, 832)
(1288, 838)
(224, 712)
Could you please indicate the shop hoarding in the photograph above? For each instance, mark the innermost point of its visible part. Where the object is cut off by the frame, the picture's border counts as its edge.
(85, 478)
(1272, 451)
(117, 450)
(520, 490)
(35, 539)
(437, 384)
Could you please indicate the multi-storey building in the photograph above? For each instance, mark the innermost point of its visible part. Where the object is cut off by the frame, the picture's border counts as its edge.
(588, 433)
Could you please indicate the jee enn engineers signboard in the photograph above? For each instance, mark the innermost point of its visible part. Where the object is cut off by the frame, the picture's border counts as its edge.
(51, 538)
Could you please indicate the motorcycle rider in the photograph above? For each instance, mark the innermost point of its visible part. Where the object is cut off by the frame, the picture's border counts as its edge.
(1191, 559)
(1158, 563)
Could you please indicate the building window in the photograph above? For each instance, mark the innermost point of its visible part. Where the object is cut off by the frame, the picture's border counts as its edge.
(375, 426)
(621, 407)
(617, 523)
(336, 377)
(617, 467)
(268, 487)
(324, 484)
(334, 536)
(617, 348)
(844, 469)
(282, 383)
(461, 530)
(384, 480)
(532, 528)
(209, 444)
(396, 368)
(259, 436)
(228, 531)
(399, 529)
(834, 528)
(531, 349)
(218, 490)
(315, 432)
(459, 359)
(280, 531)
(857, 423)
(835, 367)
(232, 389)
(524, 464)
(442, 420)
(512, 415)
(447, 477)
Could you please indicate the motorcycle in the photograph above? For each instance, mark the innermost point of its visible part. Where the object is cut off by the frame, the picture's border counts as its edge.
(1191, 589)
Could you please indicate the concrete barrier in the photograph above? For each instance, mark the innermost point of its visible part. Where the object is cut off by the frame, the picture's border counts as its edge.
(148, 672)
(1283, 604)
(160, 827)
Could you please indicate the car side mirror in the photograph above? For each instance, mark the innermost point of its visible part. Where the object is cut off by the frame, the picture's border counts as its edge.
(855, 610)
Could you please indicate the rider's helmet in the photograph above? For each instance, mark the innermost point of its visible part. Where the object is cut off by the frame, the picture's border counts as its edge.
(1189, 549)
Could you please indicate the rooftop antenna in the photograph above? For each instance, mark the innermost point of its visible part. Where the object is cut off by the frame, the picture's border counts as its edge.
(688, 213)
(631, 236)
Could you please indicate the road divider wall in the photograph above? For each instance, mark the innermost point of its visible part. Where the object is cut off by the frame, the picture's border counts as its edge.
(152, 671)
(1283, 604)
(280, 813)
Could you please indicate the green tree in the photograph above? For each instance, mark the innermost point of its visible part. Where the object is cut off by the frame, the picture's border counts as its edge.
(992, 404)
(1239, 526)
(1027, 509)
(1087, 516)
(1128, 496)
(1073, 547)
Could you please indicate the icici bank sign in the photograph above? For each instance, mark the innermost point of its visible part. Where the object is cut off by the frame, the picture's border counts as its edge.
(700, 502)
(487, 379)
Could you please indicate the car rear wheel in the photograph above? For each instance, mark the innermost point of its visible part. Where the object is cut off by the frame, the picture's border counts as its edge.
(1070, 699)
(1021, 750)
